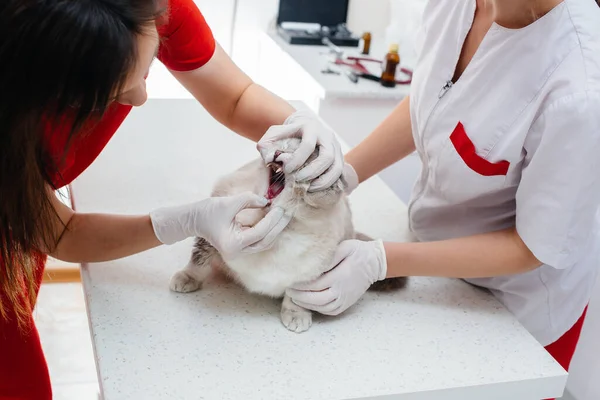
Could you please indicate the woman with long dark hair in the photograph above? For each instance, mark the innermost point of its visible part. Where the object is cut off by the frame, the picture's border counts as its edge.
(70, 71)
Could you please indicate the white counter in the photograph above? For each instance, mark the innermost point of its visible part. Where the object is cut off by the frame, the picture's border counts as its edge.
(313, 59)
(438, 339)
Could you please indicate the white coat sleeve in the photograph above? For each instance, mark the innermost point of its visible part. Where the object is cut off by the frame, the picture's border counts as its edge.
(559, 192)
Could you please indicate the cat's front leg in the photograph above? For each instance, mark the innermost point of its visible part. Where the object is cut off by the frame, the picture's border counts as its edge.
(190, 278)
(294, 317)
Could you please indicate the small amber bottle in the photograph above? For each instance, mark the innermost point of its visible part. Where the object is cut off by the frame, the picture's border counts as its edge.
(366, 43)
(392, 60)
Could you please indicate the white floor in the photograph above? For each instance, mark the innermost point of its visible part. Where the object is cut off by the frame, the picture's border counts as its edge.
(62, 322)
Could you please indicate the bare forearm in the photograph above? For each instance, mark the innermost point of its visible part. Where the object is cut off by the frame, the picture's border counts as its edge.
(256, 111)
(233, 99)
(391, 141)
(102, 237)
(486, 255)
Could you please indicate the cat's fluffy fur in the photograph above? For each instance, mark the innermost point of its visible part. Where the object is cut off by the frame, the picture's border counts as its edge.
(302, 252)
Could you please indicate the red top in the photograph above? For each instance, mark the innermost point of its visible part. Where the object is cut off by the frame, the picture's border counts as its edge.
(187, 44)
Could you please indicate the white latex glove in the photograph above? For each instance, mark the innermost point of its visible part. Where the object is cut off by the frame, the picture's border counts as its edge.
(322, 172)
(350, 177)
(356, 266)
(214, 220)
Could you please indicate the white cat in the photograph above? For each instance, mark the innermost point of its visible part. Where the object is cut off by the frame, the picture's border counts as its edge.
(302, 252)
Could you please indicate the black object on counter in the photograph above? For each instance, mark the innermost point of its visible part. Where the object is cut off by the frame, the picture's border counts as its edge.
(331, 15)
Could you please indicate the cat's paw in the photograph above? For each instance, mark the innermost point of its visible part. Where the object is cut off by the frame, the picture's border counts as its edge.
(296, 319)
(183, 282)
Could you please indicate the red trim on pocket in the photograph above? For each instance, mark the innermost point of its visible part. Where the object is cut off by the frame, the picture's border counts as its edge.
(466, 150)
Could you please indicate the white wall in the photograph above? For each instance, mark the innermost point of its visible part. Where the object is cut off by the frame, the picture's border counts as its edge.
(252, 17)
(240, 38)
(369, 16)
(256, 15)
(219, 15)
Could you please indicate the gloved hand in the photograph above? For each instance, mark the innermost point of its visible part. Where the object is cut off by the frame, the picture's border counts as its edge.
(327, 168)
(350, 177)
(214, 220)
(356, 266)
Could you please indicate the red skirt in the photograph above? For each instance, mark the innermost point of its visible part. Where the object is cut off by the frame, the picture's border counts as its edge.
(23, 369)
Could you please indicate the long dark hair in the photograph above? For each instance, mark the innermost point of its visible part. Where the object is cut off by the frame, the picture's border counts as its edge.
(57, 58)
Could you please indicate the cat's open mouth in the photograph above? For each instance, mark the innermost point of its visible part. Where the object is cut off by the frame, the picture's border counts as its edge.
(276, 180)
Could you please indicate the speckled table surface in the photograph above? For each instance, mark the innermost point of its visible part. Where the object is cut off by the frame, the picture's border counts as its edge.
(438, 339)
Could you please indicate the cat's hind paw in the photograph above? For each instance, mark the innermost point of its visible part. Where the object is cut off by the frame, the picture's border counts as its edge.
(183, 282)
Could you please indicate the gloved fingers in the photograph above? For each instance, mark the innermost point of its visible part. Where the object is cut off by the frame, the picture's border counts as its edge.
(249, 200)
(326, 180)
(321, 164)
(329, 278)
(312, 298)
(273, 134)
(265, 226)
(306, 306)
(350, 177)
(278, 132)
(284, 158)
(343, 251)
(323, 282)
(267, 242)
(302, 153)
(331, 309)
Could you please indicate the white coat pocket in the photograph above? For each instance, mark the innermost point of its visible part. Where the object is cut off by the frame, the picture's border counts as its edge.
(461, 174)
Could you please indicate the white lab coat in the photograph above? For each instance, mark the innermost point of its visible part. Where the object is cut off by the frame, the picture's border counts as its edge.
(514, 142)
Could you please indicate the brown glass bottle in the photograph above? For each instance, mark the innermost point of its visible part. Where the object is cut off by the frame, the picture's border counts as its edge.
(366, 43)
(391, 62)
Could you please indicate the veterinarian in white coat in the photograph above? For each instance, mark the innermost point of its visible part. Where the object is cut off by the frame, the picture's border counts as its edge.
(505, 114)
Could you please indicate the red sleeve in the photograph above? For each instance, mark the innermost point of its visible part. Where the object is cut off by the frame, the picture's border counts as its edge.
(187, 40)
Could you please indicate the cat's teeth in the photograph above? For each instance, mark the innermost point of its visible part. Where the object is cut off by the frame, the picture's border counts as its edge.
(275, 167)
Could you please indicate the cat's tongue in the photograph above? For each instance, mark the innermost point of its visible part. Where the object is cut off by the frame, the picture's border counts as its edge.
(276, 180)
(274, 190)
